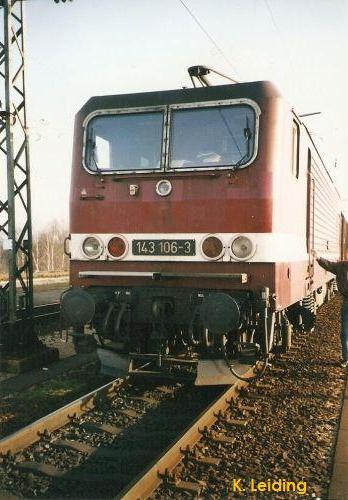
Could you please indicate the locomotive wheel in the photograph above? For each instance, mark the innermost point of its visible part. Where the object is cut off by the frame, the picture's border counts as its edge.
(308, 320)
(308, 313)
(302, 317)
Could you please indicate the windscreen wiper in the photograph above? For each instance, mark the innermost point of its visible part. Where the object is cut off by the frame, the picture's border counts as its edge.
(229, 129)
(248, 135)
(91, 148)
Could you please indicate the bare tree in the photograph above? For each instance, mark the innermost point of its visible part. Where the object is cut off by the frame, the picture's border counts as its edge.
(48, 254)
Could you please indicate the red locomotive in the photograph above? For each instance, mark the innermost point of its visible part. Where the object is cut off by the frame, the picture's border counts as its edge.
(193, 214)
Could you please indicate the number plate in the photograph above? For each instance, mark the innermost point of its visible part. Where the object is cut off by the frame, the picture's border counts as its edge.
(164, 247)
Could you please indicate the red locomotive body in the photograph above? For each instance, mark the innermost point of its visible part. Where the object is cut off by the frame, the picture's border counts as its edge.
(193, 216)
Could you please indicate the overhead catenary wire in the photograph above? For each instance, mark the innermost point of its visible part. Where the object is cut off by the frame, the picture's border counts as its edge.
(208, 35)
(280, 35)
(271, 16)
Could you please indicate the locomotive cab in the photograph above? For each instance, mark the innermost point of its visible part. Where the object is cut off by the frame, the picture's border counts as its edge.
(179, 242)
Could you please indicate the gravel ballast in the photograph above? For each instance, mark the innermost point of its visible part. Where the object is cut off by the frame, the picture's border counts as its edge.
(292, 434)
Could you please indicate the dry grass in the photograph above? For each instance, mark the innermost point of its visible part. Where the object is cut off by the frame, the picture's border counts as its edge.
(41, 274)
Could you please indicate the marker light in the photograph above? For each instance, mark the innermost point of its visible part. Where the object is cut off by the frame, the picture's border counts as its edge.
(163, 188)
(117, 247)
(212, 248)
(242, 248)
(92, 247)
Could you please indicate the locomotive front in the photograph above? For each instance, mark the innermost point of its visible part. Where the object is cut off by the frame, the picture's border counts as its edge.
(170, 222)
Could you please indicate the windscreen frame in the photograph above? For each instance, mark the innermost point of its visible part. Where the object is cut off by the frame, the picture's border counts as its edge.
(212, 104)
(126, 111)
(166, 135)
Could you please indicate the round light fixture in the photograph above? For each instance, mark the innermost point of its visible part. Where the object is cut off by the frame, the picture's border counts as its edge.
(212, 247)
(92, 247)
(163, 188)
(242, 248)
(117, 247)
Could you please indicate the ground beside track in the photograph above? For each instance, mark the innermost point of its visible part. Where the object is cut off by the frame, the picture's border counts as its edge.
(49, 290)
(339, 482)
(21, 408)
(54, 338)
(31, 395)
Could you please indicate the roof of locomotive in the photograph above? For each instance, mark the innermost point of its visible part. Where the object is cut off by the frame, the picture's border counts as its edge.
(251, 90)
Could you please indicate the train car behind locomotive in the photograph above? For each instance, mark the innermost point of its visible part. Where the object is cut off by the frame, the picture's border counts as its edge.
(193, 216)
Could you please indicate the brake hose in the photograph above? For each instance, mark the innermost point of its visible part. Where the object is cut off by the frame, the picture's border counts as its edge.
(260, 373)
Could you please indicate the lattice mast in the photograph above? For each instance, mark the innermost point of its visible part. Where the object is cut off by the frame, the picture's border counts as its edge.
(15, 210)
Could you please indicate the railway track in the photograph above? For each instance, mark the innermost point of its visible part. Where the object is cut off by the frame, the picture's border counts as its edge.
(22, 439)
(129, 440)
(183, 449)
(102, 440)
(42, 313)
(47, 316)
(47, 311)
(139, 433)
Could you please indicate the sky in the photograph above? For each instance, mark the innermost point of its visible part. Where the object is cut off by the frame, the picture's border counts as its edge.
(78, 49)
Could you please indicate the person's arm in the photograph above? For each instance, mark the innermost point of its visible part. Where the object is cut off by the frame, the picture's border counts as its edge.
(326, 264)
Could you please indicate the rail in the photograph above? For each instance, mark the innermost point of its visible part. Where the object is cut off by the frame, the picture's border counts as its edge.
(149, 480)
(41, 312)
(32, 433)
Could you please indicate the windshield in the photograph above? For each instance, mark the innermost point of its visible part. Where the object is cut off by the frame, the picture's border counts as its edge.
(124, 142)
(211, 137)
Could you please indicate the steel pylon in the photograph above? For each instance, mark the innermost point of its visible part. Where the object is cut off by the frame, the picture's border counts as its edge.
(16, 296)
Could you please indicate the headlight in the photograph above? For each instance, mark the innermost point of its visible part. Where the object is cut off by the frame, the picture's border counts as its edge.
(242, 248)
(92, 247)
(117, 247)
(212, 248)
